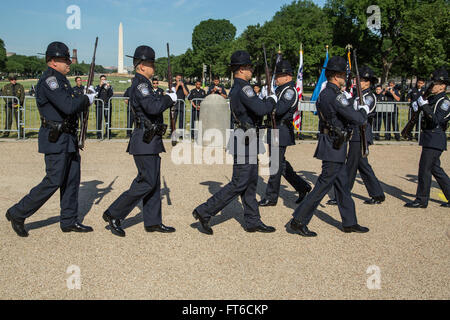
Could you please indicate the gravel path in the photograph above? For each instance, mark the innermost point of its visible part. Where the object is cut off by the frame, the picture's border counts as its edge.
(410, 248)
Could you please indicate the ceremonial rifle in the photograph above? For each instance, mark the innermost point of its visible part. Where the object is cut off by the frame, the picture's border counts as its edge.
(362, 128)
(84, 123)
(269, 87)
(172, 109)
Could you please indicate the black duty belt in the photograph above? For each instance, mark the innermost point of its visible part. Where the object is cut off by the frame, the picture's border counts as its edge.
(66, 126)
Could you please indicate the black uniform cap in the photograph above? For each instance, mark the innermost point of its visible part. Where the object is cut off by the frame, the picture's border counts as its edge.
(367, 73)
(337, 64)
(57, 50)
(283, 67)
(143, 53)
(240, 58)
(440, 75)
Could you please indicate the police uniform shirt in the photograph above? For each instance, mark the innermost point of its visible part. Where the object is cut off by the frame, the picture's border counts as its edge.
(211, 88)
(159, 91)
(436, 115)
(196, 94)
(147, 105)
(103, 93)
(14, 90)
(380, 97)
(336, 110)
(415, 93)
(285, 108)
(78, 91)
(56, 101)
(371, 101)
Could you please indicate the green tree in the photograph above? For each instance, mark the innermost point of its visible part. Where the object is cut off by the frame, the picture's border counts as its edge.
(2, 56)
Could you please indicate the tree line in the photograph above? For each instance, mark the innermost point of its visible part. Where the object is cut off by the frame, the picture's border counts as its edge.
(412, 39)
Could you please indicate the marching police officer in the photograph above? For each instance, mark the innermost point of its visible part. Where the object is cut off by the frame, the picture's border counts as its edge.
(436, 114)
(285, 108)
(355, 161)
(336, 115)
(247, 109)
(145, 145)
(59, 110)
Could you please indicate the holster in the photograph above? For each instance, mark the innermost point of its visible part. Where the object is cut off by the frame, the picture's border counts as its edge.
(338, 136)
(57, 128)
(153, 129)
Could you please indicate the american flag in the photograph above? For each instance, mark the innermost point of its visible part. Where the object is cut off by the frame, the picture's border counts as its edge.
(299, 85)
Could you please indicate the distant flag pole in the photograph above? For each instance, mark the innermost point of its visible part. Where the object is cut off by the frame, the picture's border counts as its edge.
(321, 80)
(299, 86)
(349, 69)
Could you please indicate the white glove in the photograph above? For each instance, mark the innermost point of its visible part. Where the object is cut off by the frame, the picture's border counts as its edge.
(365, 107)
(91, 90)
(91, 97)
(274, 97)
(355, 104)
(173, 96)
(348, 95)
(422, 102)
(415, 106)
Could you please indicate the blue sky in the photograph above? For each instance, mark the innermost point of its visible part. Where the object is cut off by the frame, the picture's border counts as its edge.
(27, 27)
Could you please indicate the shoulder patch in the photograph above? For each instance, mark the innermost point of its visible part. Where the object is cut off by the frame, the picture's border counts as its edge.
(143, 88)
(289, 94)
(368, 100)
(52, 83)
(445, 105)
(342, 100)
(248, 90)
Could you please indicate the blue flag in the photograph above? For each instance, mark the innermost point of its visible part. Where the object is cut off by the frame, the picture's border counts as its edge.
(321, 80)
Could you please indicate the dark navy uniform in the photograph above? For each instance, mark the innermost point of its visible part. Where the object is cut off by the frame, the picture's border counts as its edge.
(104, 93)
(195, 114)
(149, 108)
(355, 161)
(285, 108)
(379, 116)
(78, 91)
(413, 95)
(211, 88)
(436, 115)
(337, 115)
(179, 106)
(248, 109)
(130, 115)
(58, 107)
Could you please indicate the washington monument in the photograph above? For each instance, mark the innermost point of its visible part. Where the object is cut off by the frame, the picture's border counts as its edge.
(120, 68)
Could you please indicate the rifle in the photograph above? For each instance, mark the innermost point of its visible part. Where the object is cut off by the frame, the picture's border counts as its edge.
(84, 123)
(362, 128)
(269, 87)
(407, 130)
(172, 108)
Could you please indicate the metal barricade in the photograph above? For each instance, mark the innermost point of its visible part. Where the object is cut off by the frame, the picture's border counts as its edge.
(93, 126)
(310, 121)
(10, 108)
(32, 118)
(119, 116)
(195, 115)
(394, 116)
(180, 105)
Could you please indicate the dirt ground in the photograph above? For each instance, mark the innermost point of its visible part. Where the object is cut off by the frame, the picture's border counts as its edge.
(408, 249)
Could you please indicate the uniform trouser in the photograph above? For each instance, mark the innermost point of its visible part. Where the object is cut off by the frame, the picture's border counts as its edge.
(195, 116)
(378, 121)
(243, 183)
(9, 110)
(391, 118)
(63, 172)
(355, 162)
(284, 169)
(179, 109)
(333, 174)
(429, 165)
(146, 187)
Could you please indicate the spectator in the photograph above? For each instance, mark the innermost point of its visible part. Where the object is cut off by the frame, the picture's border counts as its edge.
(13, 89)
(380, 116)
(414, 94)
(78, 90)
(105, 92)
(156, 88)
(130, 113)
(392, 95)
(32, 91)
(257, 89)
(217, 88)
(181, 90)
(194, 95)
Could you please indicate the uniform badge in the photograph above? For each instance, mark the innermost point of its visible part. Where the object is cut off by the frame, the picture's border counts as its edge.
(342, 100)
(52, 83)
(289, 94)
(143, 88)
(248, 91)
(445, 105)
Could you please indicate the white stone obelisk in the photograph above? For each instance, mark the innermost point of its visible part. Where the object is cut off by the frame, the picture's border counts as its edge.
(120, 68)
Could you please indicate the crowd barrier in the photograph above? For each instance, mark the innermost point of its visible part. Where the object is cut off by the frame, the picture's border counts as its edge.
(115, 115)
